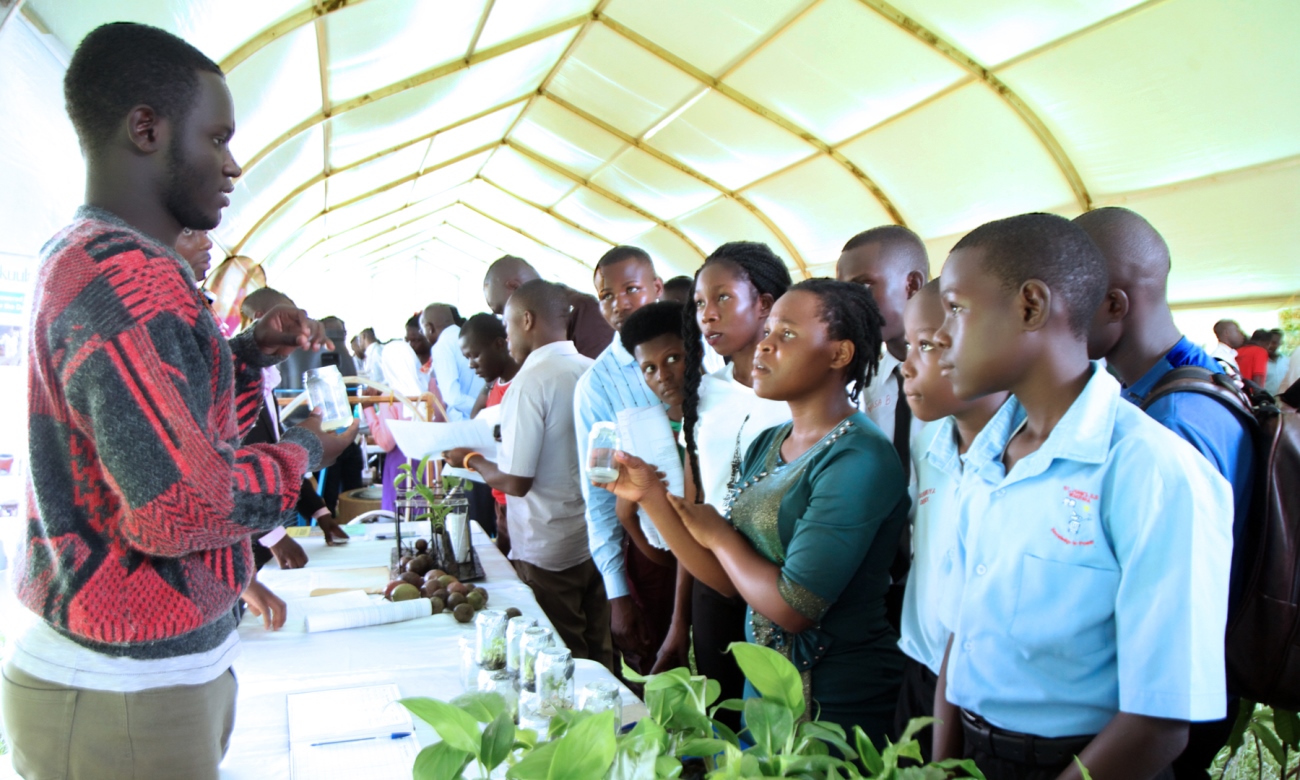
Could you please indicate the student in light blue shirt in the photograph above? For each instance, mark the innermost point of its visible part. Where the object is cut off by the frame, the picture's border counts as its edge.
(1092, 553)
(1134, 331)
(951, 426)
(625, 280)
(457, 382)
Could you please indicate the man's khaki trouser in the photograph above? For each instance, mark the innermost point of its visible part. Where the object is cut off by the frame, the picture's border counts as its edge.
(56, 732)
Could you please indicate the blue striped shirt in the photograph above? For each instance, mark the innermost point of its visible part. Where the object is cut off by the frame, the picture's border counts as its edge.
(612, 384)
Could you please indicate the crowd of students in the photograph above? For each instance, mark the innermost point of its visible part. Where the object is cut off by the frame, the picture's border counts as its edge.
(943, 496)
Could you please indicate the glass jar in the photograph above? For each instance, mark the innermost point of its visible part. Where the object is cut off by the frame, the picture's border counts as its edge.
(533, 641)
(490, 632)
(514, 633)
(468, 663)
(328, 395)
(456, 524)
(554, 673)
(603, 696)
(500, 682)
(602, 443)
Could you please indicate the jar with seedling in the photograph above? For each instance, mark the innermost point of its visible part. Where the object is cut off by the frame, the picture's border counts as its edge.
(514, 634)
(490, 632)
(530, 644)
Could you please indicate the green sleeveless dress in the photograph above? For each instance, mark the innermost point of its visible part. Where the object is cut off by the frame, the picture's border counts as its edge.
(831, 520)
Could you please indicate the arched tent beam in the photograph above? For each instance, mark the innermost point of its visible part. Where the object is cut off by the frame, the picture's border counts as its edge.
(547, 210)
(684, 168)
(986, 75)
(596, 188)
(754, 106)
(370, 221)
(418, 80)
(523, 233)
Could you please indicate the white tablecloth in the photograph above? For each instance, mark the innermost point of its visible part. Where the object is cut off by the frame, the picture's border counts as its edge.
(420, 656)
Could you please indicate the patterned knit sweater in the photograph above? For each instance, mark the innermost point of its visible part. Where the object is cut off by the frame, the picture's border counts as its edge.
(140, 498)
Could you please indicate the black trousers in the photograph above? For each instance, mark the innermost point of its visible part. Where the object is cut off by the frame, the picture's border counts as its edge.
(916, 700)
(1000, 767)
(483, 508)
(343, 476)
(1204, 741)
(716, 622)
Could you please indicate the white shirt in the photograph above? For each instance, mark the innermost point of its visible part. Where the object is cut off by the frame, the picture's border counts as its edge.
(1278, 370)
(548, 527)
(879, 401)
(727, 409)
(457, 382)
(400, 369)
(43, 652)
(1221, 351)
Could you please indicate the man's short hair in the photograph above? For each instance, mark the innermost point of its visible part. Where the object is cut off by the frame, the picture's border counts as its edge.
(909, 245)
(680, 285)
(483, 327)
(262, 299)
(650, 322)
(620, 253)
(122, 65)
(1051, 249)
(547, 301)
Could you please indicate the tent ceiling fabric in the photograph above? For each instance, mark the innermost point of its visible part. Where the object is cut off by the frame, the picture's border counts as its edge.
(393, 132)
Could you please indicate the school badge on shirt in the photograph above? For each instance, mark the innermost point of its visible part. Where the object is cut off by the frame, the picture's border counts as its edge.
(1077, 518)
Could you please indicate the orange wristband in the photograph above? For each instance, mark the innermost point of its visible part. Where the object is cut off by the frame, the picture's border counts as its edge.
(465, 463)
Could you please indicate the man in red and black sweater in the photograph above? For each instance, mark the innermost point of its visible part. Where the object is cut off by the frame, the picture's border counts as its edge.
(141, 500)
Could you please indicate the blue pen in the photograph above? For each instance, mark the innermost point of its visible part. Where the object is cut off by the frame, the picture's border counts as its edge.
(394, 735)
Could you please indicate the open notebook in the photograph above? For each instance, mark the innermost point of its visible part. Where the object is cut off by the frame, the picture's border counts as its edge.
(350, 714)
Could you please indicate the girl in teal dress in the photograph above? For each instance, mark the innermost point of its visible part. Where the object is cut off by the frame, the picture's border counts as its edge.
(812, 525)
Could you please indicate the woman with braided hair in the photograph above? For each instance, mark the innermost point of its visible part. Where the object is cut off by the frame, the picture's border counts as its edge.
(801, 540)
(732, 295)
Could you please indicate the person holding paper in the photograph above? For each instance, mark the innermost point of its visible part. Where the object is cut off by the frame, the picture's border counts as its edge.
(653, 334)
(539, 472)
(456, 380)
(625, 280)
(484, 344)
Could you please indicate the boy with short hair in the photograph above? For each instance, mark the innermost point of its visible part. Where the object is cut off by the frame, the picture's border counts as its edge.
(539, 471)
(952, 425)
(1092, 557)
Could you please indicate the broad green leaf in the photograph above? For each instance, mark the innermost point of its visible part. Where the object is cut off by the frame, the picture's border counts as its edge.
(811, 764)
(667, 766)
(439, 761)
(1269, 740)
(525, 739)
(1287, 726)
(712, 690)
(456, 727)
(867, 752)
(964, 764)
(536, 764)
(771, 674)
(634, 765)
(724, 731)
(910, 749)
(830, 733)
(498, 740)
(672, 678)
(769, 724)
(587, 750)
(1238, 734)
(630, 674)
(484, 707)
(648, 731)
(913, 726)
(701, 748)
(733, 705)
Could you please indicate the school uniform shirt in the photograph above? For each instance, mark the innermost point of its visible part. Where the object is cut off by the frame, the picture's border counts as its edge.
(457, 382)
(494, 398)
(613, 383)
(1221, 351)
(879, 401)
(731, 416)
(938, 468)
(547, 528)
(1277, 371)
(1093, 577)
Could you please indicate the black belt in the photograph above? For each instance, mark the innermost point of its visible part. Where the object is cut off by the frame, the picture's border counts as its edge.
(1020, 748)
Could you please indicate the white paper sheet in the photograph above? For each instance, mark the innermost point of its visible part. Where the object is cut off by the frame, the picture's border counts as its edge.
(645, 433)
(418, 439)
(350, 713)
(374, 615)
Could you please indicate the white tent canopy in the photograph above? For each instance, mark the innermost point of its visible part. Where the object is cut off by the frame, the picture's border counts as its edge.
(408, 143)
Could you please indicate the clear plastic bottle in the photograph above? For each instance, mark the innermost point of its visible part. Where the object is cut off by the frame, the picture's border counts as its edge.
(326, 392)
(602, 443)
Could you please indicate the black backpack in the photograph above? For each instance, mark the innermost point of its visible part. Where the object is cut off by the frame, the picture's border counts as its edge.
(1263, 637)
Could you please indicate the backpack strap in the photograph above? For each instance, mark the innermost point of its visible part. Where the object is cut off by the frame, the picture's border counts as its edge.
(1194, 379)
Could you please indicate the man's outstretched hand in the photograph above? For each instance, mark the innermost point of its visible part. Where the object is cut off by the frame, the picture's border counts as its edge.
(286, 328)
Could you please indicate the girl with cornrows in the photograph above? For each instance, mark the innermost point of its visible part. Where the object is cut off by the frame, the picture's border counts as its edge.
(733, 295)
(802, 542)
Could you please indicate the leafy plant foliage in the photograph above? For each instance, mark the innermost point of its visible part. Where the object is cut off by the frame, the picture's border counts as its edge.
(681, 738)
